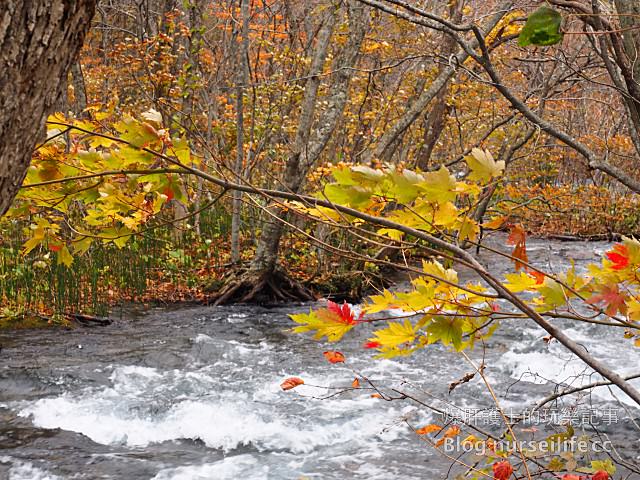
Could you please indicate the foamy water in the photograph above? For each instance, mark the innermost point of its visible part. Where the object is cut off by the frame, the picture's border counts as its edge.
(195, 394)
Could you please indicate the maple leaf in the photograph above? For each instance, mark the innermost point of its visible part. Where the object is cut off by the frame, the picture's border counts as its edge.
(483, 166)
(438, 186)
(519, 282)
(502, 470)
(611, 297)
(372, 345)
(331, 322)
(334, 357)
(428, 429)
(600, 475)
(518, 238)
(495, 223)
(539, 276)
(395, 334)
(355, 383)
(450, 433)
(291, 382)
(619, 256)
(344, 312)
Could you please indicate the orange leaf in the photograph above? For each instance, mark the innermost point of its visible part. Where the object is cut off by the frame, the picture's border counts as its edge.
(429, 429)
(612, 299)
(334, 357)
(502, 470)
(518, 238)
(376, 395)
(355, 383)
(168, 192)
(450, 433)
(539, 276)
(291, 382)
(495, 223)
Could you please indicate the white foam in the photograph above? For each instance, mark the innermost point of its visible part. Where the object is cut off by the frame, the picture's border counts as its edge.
(229, 468)
(140, 408)
(26, 471)
(542, 367)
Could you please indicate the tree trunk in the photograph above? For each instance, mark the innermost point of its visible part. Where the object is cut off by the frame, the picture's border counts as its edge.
(79, 89)
(394, 133)
(629, 11)
(39, 41)
(267, 252)
(308, 146)
(242, 80)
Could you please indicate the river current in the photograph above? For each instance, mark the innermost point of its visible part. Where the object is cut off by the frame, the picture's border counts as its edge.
(194, 393)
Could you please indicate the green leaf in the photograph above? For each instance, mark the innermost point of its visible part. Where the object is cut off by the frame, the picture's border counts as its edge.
(542, 28)
(447, 330)
(347, 195)
(438, 186)
(64, 256)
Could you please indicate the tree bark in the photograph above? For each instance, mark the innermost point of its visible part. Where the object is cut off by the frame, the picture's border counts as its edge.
(435, 119)
(39, 41)
(242, 80)
(629, 19)
(266, 255)
(309, 145)
(79, 89)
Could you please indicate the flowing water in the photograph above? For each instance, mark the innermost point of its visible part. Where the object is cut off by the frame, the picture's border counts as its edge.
(193, 393)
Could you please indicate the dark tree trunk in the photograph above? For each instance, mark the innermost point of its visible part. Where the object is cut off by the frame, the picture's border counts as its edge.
(39, 41)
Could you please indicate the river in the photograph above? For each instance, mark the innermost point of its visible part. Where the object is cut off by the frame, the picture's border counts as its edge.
(194, 393)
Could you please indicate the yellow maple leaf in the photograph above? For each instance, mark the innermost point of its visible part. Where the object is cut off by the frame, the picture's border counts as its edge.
(395, 334)
(483, 166)
(519, 282)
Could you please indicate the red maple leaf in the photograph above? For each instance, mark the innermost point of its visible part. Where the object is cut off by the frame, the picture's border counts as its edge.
(502, 470)
(344, 312)
(371, 345)
(539, 276)
(600, 475)
(612, 299)
(619, 256)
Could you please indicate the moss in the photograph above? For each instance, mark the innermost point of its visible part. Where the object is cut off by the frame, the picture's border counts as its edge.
(21, 322)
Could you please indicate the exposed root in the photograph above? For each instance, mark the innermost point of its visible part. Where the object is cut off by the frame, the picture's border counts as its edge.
(261, 288)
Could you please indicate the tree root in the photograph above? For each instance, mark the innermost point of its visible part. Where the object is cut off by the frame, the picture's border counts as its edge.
(247, 286)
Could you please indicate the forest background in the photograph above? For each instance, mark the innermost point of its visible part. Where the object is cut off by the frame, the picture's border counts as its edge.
(278, 95)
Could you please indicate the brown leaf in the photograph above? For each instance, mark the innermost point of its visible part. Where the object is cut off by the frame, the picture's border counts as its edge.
(334, 357)
(467, 377)
(291, 382)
